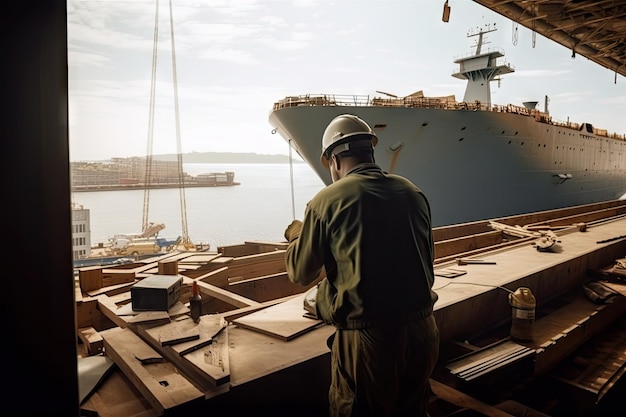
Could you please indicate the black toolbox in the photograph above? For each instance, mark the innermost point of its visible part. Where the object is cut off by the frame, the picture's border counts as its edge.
(156, 292)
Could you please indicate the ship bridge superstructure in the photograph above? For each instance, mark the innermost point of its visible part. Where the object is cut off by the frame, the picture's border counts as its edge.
(481, 68)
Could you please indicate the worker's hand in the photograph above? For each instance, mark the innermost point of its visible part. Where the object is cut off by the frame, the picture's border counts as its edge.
(293, 230)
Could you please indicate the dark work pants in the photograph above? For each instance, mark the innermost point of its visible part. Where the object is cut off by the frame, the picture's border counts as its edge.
(383, 371)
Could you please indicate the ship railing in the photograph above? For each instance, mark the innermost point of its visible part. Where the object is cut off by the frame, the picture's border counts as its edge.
(484, 51)
(322, 100)
(446, 102)
(500, 62)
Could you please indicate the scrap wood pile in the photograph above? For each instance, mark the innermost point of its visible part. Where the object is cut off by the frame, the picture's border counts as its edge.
(226, 281)
(245, 289)
(619, 268)
(544, 238)
(612, 273)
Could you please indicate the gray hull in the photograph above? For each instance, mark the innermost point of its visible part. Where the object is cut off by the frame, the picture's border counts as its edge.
(475, 164)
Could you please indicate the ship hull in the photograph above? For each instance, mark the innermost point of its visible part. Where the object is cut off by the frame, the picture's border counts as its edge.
(474, 164)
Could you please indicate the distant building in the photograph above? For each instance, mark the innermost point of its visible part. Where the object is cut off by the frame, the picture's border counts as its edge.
(81, 232)
(120, 171)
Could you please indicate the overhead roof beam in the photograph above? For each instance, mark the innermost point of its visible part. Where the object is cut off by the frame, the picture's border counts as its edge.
(595, 29)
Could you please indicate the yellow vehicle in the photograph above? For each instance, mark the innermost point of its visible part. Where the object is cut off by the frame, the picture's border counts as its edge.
(135, 247)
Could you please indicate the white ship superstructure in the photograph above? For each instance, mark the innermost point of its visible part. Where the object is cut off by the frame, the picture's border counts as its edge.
(474, 160)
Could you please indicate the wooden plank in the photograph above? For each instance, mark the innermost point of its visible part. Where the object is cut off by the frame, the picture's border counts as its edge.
(218, 276)
(126, 309)
(199, 258)
(112, 289)
(254, 355)
(160, 383)
(115, 277)
(234, 314)
(87, 313)
(208, 366)
(486, 355)
(450, 247)
(225, 295)
(251, 248)
(117, 396)
(108, 308)
(242, 280)
(172, 335)
(589, 319)
(90, 278)
(168, 267)
(149, 317)
(91, 339)
(78, 293)
(463, 400)
(284, 320)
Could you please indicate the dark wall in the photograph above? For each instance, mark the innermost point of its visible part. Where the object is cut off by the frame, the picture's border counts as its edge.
(38, 327)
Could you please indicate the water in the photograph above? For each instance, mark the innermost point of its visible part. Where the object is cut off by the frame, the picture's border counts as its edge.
(259, 209)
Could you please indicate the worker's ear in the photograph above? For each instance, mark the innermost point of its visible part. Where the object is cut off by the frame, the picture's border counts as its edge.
(336, 162)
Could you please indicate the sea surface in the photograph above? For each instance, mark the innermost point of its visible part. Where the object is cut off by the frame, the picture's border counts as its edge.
(259, 209)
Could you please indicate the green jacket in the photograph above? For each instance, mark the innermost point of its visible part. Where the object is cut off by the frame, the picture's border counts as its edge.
(372, 233)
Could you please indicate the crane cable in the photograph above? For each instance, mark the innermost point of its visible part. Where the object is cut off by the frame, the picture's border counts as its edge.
(181, 179)
(148, 167)
(293, 203)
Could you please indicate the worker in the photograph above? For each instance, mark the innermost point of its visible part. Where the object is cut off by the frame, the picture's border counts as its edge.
(370, 233)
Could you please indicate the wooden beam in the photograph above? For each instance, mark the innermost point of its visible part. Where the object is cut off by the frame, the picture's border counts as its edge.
(160, 383)
(458, 398)
(225, 295)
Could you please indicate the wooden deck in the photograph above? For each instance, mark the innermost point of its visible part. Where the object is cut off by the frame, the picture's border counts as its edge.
(268, 348)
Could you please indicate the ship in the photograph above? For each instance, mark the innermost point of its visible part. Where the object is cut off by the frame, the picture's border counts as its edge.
(474, 160)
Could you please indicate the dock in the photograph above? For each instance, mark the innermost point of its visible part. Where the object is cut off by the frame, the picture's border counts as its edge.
(253, 341)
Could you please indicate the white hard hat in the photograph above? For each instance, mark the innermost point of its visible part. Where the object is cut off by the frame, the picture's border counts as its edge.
(344, 129)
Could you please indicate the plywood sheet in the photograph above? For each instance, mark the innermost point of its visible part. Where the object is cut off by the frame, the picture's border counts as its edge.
(284, 320)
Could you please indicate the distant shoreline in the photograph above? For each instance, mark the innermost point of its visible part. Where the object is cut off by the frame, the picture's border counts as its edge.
(220, 158)
(125, 187)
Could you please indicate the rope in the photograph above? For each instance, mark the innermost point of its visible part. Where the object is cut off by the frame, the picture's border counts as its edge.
(148, 168)
(181, 179)
(293, 203)
(473, 283)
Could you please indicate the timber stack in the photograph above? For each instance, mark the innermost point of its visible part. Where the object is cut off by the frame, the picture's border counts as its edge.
(253, 338)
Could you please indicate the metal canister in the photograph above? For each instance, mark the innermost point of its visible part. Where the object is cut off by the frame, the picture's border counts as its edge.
(523, 305)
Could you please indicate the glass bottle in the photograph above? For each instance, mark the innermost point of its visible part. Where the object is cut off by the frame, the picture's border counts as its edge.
(195, 302)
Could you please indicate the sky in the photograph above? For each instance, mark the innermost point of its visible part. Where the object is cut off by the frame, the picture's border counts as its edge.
(235, 58)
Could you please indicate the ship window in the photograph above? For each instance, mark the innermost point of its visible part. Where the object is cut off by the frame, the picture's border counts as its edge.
(460, 139)
(522, 143)
(509, 142)
(463, 128)
(503, 132)
(516, 133)
(425, 124)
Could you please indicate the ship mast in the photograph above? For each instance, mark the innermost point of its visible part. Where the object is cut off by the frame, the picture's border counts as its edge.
(479, 68)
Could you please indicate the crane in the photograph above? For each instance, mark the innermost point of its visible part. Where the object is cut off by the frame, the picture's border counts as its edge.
(185, 241)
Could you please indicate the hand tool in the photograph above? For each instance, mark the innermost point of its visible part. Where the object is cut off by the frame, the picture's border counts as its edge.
(461, 261)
